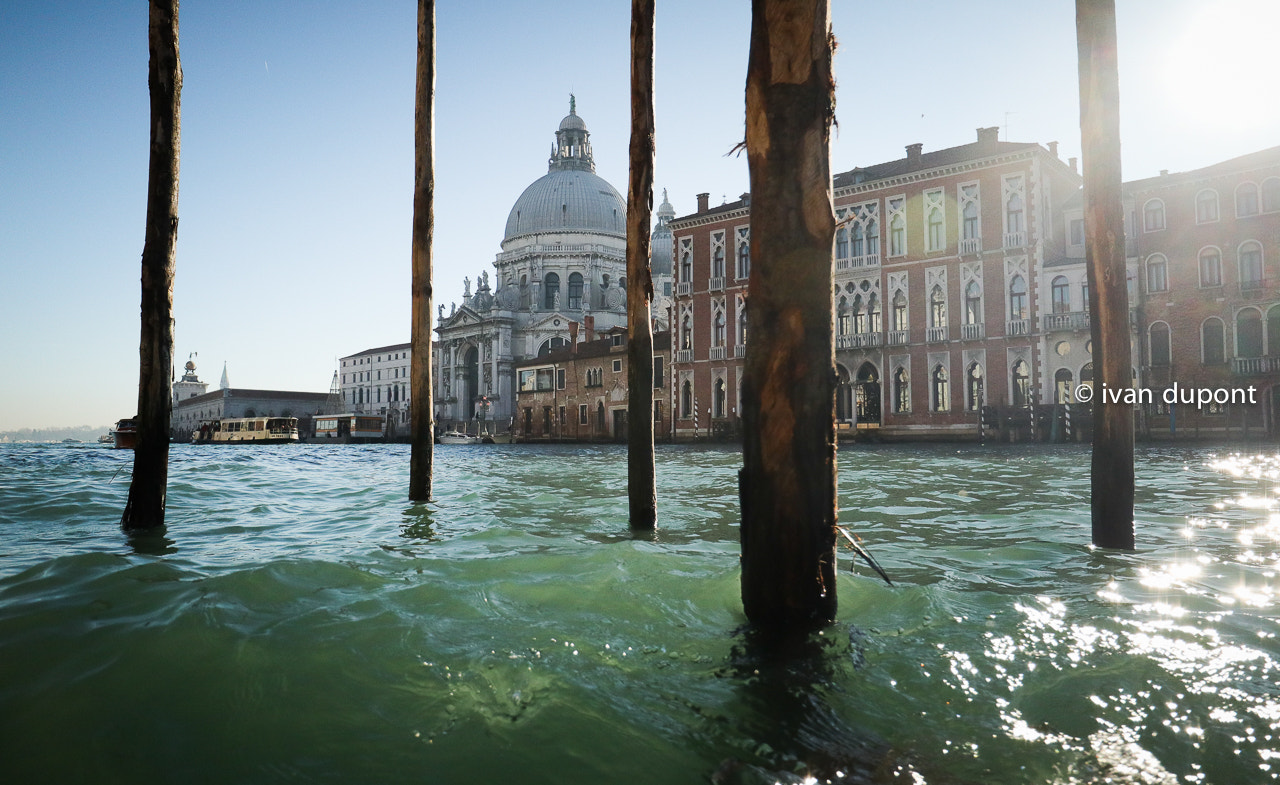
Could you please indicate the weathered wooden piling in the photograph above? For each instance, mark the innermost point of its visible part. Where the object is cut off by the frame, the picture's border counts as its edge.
(421, 414)
(145, 506)
(1112, 468)
(787, 486)
(641, 482)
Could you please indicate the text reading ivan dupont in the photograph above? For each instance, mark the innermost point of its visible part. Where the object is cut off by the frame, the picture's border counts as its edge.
(1199, 396)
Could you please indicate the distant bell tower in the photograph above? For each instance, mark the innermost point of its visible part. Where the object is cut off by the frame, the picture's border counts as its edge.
(189, 386)
(224, 384)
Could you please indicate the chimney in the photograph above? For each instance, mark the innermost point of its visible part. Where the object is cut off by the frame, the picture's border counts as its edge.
(1053, 149)
(987, 138)
(589, 323)
(1072, 163)
(702, 202)
(573, 337)
(1164, 172)
(913, 154)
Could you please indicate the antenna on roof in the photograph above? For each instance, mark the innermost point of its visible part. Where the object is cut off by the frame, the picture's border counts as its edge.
(1006, 125)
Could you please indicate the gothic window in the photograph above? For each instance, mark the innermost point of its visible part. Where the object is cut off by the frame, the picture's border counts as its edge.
(874, 322)
(973, 387)
(686, 332)
(744, 253)
(901, 391)
(941, 389)
(717, 399)
(1018, 298)
(550, 291)
(859, 316)
(858, 240)
(1014, 206)
(717, 255)
(873, 232)
(973, 303)
(1021, 387)
(897, 227)
(1061, 294)
(686, 260)
(937, 308)
(717, 328)
(842, 317)
(969, 213)
(575, 291)
(935, 226)
(842, 243)
(899, 311)
(686, 400)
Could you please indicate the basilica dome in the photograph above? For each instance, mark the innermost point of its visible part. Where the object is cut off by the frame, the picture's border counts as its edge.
(570, 197)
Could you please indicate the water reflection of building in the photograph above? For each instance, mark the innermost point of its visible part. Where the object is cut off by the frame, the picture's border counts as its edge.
(935, 304)
(563, 261)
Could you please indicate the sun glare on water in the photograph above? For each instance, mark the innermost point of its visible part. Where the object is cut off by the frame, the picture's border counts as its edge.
(1218, 68)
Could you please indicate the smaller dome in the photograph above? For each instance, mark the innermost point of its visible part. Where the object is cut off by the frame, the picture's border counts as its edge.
(572, 122)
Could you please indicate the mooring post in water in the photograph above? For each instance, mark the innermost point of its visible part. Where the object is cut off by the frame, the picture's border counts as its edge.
(787, 486)
(1112, 468)
(421, 424)
(145, 507)
(641, 482)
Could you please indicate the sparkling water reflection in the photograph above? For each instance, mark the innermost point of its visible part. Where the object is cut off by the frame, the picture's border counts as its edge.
(299, 620)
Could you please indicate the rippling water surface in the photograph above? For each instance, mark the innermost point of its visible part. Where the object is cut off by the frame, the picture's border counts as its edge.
(300, 621)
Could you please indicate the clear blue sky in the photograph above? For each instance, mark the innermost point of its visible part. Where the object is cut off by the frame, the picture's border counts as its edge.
(297, 150)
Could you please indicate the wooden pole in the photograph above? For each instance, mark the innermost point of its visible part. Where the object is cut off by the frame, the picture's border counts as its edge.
(787, 486)
(641, 483)
(1112, 467)
(421, 415)
(145, 506)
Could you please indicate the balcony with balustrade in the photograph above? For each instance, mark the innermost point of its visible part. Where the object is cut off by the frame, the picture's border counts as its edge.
(716, 284)
(684, 289)
(971, 246)
(1072, 321)
(1015, 239)
(973, 332)
(717, 352)
(936, 334)
(1254, 366)
(684, 355)
(1017, 327)
(899, 337)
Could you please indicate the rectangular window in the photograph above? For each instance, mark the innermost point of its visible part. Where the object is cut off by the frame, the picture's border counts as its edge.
(1157, 276)
(617, 366)
(559, 378)
(657, 371)
(1077, 231)
(582, 414)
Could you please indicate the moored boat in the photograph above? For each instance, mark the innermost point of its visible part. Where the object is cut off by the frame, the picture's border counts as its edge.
(458, 437)
(247, 430)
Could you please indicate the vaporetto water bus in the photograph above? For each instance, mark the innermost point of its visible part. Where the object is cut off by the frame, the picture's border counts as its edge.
(247, 430)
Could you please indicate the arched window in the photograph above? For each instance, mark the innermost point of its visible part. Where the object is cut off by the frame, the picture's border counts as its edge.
(742, 325)
(686, 400)
(1249, 333)
(1273, 331)
(1246, 199)
(1271, 194)
(1013, 213)
(1021, 384)
(973, 303)
(717, 329)
(550, 291)
(842, 243)
(1207, 206)
(901, 391)
(842, 317)
(717, 399)
(1018, 298)
(1158, 336)
(937, 308)
(1062, 389)
(1086, 375)
(575, 291)
(941, 389)
(525, 293)
(1153, 216)
(899, 311)
(873, 237)
(686, 332)
(686, 265)
(1212, 347)
(874, 322)
(973, 387)
(1157, 274)
(934, 227)
(857, 240)
(859, 316)
(1210, 268)
(1251, 265)
(897, 235)
(744, 254)
(1061, 294)
(717, 259)
(969, 218)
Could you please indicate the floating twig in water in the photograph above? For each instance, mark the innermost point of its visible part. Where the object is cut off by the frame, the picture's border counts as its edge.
(855, 542)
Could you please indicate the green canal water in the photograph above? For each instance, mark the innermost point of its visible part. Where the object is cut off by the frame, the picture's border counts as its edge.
(300, 621)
